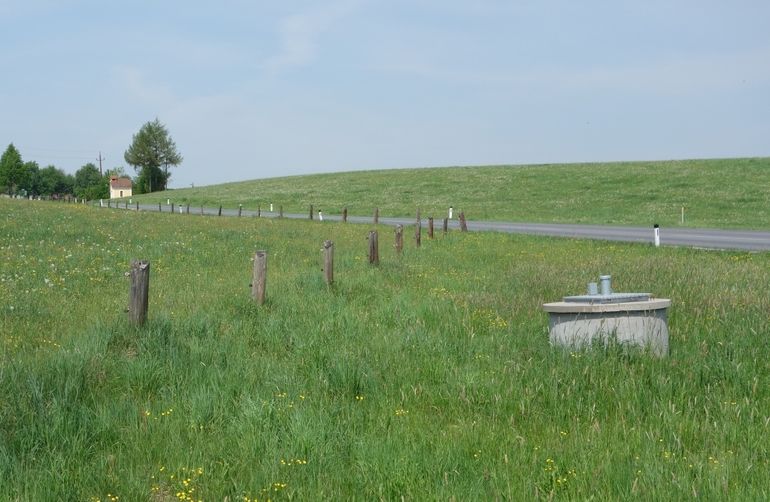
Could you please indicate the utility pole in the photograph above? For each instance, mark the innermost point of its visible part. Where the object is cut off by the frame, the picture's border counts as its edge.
(100, 159)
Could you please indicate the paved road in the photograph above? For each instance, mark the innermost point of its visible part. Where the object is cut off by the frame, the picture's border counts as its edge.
(674, 236)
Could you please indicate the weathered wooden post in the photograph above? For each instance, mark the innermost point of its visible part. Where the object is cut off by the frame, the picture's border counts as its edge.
(172, 208)
(430, 227)
(259, 211)
(376, 215)
(259, 277)
(160, 207)
(201, 210)
(138, 293)
(280, 211)
(187, 210)
(418, 230)
(344, 215)
(374, 252)
(399, 238)
(463, 225)
(240, 209)
(311, 212)
(329, 262)
(126, 204)
(137, 205)
(220, 210)
(109, 203)
(446, 225)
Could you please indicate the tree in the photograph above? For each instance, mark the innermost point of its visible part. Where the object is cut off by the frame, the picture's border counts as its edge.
(151, 152)
(11, 169)
(117, 172)
(89, 184)
(55, 181)
(30, 181)
(68, 184)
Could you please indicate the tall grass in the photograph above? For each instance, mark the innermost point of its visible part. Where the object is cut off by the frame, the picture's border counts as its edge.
(428, 377)
(722, 193)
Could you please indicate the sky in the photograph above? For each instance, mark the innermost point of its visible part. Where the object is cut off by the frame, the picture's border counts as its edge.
(260, 89)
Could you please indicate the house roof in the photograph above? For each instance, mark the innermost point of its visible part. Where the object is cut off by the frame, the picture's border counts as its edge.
(120, 183)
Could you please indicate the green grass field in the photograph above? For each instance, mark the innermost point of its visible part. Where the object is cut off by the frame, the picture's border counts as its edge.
(429, 377)
(730, 193)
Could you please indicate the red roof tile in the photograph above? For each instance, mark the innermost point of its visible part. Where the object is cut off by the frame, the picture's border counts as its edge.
(120, 183)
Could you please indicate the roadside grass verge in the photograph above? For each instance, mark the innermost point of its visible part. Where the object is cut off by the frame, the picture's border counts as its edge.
(428, 377)
(719, 193)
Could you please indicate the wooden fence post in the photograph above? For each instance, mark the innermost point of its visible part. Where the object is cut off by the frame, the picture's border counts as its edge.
(201, 210)
(109, 203)
(374, 252)
(446, 225)
(329, 262)
(138, 293)
(399, 238)
(126, 204)
(344, 215)
(376, 215)
(463, 225)
(160, 208)
(258, 278)
(137, 205)
(188, 208)
(259, 211)
(280, 211)
(220, 210)
(430, 227)
(418, 230)
(240, 209)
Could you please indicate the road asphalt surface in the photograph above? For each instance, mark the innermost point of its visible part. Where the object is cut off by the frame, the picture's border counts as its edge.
(674, 236)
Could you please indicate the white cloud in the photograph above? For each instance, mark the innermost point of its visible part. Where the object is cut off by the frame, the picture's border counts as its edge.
(674, 75)
(135, 83)
(15, 8)
(300, 34)
(682, 75)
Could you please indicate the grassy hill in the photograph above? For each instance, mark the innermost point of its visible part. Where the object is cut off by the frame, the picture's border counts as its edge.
(429, 377)
(724, 193)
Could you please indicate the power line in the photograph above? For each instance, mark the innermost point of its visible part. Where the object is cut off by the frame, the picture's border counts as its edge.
(65, 151)
(59, 157)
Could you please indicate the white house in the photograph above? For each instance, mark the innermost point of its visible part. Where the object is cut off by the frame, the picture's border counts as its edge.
(120, 187)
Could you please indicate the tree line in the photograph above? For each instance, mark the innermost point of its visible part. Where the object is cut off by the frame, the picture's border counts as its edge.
(28, 179)
(151, 153)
